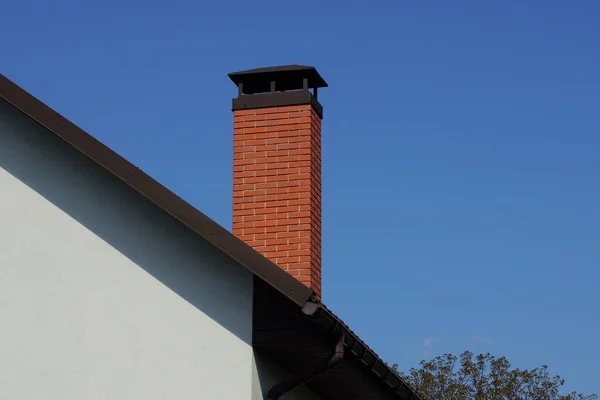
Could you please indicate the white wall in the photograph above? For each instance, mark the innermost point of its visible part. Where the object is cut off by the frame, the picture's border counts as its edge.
(103, 296)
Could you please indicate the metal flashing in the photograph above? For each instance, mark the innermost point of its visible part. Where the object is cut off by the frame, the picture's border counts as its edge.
(277, 99)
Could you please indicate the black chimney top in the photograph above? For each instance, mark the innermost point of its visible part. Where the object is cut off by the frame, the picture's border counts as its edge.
(285, 85)
(286, 77)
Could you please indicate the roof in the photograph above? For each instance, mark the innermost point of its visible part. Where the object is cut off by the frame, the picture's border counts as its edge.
(281, 324)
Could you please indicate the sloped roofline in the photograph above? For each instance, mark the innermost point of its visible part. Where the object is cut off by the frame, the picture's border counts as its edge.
(199, 223)
(154, 192)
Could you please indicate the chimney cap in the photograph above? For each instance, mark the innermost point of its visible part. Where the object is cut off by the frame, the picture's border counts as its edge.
(286, 77)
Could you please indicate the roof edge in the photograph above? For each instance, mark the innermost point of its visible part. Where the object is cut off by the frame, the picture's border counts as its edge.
(155, 192)
(388, 377)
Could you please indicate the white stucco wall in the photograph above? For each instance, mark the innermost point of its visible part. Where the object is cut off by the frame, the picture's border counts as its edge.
(102, 296)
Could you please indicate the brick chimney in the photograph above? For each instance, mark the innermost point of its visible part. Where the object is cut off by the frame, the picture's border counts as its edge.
(277, 167)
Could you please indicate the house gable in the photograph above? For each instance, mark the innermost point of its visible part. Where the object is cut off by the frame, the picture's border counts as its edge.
(289, 323)
(102, 293)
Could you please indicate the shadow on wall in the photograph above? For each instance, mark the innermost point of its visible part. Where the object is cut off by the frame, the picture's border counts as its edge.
(138, 229)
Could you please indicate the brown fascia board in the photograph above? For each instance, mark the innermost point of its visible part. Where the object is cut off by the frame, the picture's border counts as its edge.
(195, 220)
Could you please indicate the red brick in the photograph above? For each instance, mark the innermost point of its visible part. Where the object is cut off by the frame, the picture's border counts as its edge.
(245, 112)
(266, 236)
(288, 247)
(277, 187)
(248, 118)
(250, 218)
(276, 229)
(290, 235)
(252, 131)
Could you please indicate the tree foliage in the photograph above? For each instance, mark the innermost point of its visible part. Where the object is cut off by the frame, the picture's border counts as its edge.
(485, 377)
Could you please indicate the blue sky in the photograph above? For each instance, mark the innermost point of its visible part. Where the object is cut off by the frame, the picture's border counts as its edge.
(460, 149)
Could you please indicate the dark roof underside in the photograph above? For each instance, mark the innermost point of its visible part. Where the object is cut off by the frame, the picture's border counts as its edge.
(296, 342)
